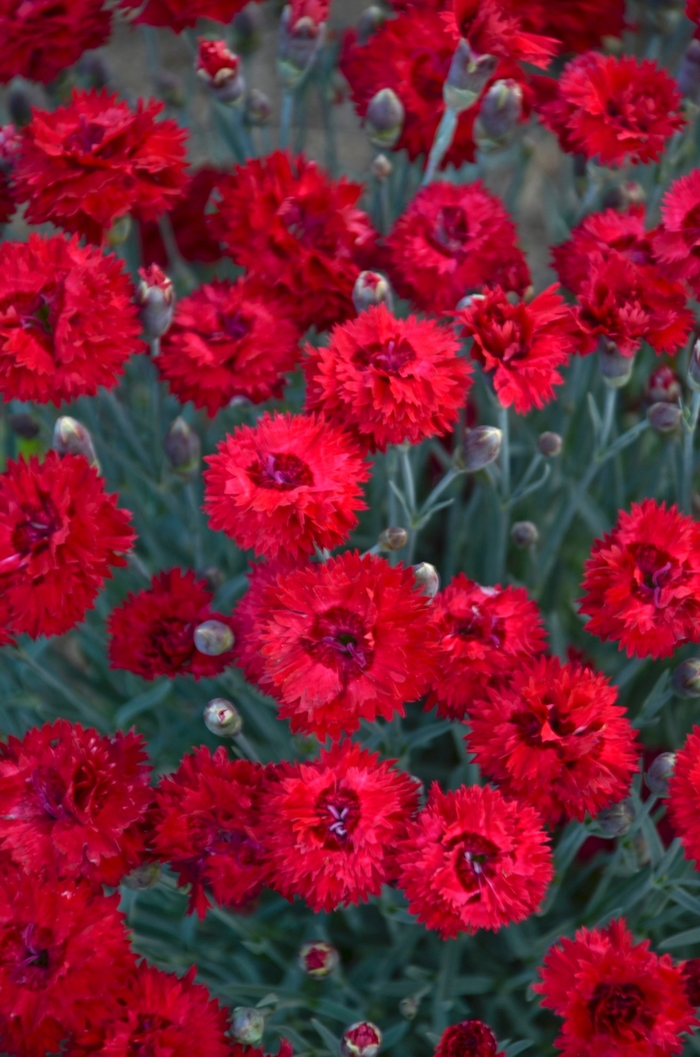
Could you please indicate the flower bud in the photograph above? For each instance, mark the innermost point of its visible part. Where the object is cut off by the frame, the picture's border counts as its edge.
(361, 1039)
(142, 877)
(371, 288)
(213, 576)
(549, 444)
(258, 108)
(156, 299)
(466, 78)
(615, 368)
(524, 534)
(686, 678)
(663, 417)
(480, 447)
(318, 959)
(222, 718)
(219, 70)
(624, 195)
(663, 385)
(299, 41)
(384, 118)
(694, 368)
(247, 1025)
(659, 773)
(381, 167)
(71, 437)
(392, 538)
(183, 448)
(408, 1007)
(689, 72)
(371, 19)
(427, 578)
(213, 638)
(499, 113)
(119, 231)
(23, 425)
(616, 820)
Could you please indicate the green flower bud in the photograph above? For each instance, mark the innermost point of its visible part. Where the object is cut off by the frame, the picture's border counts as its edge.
(615, 368)
(247, 1025)
(616, 820)
(659, 773)
(549, 444)
(480, 447)
(371, 288)
(524, 534)
(318, 959)
(663, 417)
(71, 437)
(361, 1039)
(686, 678)
(384, 118)
(427, 578)
(392, 538)
(222, 718)
(183, 448)
(213, 638)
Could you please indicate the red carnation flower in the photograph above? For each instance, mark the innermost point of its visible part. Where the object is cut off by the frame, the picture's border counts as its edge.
(642, 581)
(493, 27)
(523, 344)
(617, 998)
(59, 534)
(473, 860)
(618, 110)
(484, 634)
(183, 14)
(691, 979)
(85, 164)
(298, 231)
(40, 39)
(388, 380)
(579, 24)
(345, 640)
(471, 1038)
(152, 632)
(555, 737)
(67, 320)
(332, 823)
(207, 825)
(453, 240)
(228, 340)
(598, 235)
(71, 801)
(684, 796)
(245, 619)
(10, 140)
(188, 218)
(64, 958)
(286, 485)
(677, 241)
(627, 304)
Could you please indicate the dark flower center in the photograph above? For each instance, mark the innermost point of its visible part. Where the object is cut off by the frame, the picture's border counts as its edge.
(171, 640)
(655, 570)
(301, 224)
(144, 1038)
(620, 1010)
(245, 850)
(481, 625)
(390, 358)
(546, 725)
(234, 326)
(339, 640)
(35, 960)
(281, 471)
(451, 233)
(427, 75)
(338, 812)
(33, 534)
(88, 136)
(50, 789)
(471, 1038)
(475, 861)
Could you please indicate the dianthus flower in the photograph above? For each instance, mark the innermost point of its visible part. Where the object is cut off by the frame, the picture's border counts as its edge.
(40, 39)
(286, 485)
(183, 14)
(60, 533)
(71, 801)
(600, 235)
(470, 1038)
(642, 581)
(493, 27)
(64, 958)
(301, 233)
(245, 619)
(342, 641)
(152, 632)
(332, 823)
(207, 825)
(67, 320)
(578, 24)
(84, 165)
(691, 979)
(523, 344)
(617, 110)
(228, 340)
(453, 240)
(684, 796)
(188, 218)
(617, 998)
(628, 304)
(10, 140)
(388, 380)
(484, 633)
(677, 241)
(554, 736)
(473, 860)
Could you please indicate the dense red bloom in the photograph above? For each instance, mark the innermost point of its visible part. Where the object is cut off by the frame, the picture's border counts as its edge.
(59, 534)
(316, 10)
(493, 27)
(207, 826)
(152, 632)
(453, 240)
(182, 14)
(471, 1038)
(346, 640)
(286, 485)
(555, 737)
(618, 110)
(691, 979)
(642, 581)
(579, 24)
(245, 619)
(214, 57)
(10, 140)
(484, 633)
(188, 218)
(67, 320)
(473, 860)
(598, 235)
(677, 241)
(627, 304)
(298, 231)
(617, 998)
(228, 340)
(71, 801)
(388, 380)
(332, 823)
(523, 344)
(85, 164)
(64, 957)
(684, 796)
(39, 39)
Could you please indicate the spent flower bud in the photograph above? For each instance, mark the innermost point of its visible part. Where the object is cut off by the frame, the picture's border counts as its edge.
(427, 578)
(361, 1039)
(524, 534)
(694, 368)
(371, 288)
(258, 108)
(156, 299)
(689, 72)
(183, 448)
(466, 77)
(659, 773)
(213, 638)
(384, 118)
(549, 444)
(500, 111)
(381, 167)
(318, 959)
(220, 71)
(71, 437)
(686, 678)
(663, 417)
(616, 820)
(392, 538)
(222, 718)
(247, 1025)
(371, 19)
(480, 447)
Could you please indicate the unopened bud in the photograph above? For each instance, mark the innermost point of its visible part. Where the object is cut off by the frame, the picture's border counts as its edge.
(371, 19)
(694, 368)
(318, 959)
(381, 167)
(689, 72)
(144, 876)
(616, 820)
(71, 437)
(222, 718)
(384, 118)
(468, 300)
(427, 578)
(156, 300)
(663, 385)
(247, 1025)
(213, 577)
(686, 678)
(659, 773)
(213, 638)
(392, 538)
(258, 108)
(466, 78)
(663, 417)
(183, 448)
(371, 288)
(615, 368)
(480, 447)
(624, 195)
(119, 231)
(408, 1007)
(524, 534)
(499, 113)
(361, 1039)
(23, 425)
(219, 70)
(549, 444)
(300, 38)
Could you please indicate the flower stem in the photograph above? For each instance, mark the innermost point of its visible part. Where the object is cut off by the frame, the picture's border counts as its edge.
(441, 144)
(286, 117)
(686, 497)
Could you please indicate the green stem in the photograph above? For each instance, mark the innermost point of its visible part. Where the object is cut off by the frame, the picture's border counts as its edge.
(686, 497)
(441, 144)
(84, 708)
(286, 118)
